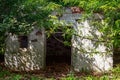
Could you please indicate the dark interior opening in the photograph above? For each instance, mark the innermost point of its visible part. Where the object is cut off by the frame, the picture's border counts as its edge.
(1, 58)
(116, 56)
(23, 41)
(58, 55)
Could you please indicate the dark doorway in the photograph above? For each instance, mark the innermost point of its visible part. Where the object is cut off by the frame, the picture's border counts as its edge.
(58, 56)
(116, 56)
(1, 57)
(1, 60)
(23, 40)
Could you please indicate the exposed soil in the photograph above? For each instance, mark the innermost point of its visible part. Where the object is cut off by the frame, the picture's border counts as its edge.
(57, 69)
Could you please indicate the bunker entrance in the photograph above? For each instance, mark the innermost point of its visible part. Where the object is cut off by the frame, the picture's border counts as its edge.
(58, 54)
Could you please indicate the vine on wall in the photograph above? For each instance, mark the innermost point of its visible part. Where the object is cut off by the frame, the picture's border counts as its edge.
(20, 16)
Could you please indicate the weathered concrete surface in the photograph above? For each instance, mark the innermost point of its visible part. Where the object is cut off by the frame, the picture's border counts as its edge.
(26, 59)
(88, 51)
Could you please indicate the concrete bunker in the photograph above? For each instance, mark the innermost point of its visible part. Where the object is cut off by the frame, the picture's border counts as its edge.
(83, 49)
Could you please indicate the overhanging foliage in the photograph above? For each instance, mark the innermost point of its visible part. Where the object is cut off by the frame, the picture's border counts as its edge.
(18, 16)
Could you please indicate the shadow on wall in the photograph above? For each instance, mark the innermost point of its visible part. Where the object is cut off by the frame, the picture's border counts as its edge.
(25, 53)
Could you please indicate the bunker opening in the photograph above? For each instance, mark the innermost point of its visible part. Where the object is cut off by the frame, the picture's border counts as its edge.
(23, 41)
(57, 53)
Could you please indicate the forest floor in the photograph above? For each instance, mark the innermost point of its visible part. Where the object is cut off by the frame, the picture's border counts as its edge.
(60, 71)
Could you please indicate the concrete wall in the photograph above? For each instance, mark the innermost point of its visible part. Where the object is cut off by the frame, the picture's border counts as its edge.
(26, 59)
(88, 51)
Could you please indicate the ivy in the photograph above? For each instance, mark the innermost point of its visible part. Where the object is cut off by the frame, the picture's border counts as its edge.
(19, 16)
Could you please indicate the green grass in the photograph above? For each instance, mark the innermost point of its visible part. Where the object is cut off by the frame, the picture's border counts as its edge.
(113, 75)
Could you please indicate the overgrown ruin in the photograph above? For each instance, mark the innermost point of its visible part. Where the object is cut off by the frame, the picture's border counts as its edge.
(87, 51)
